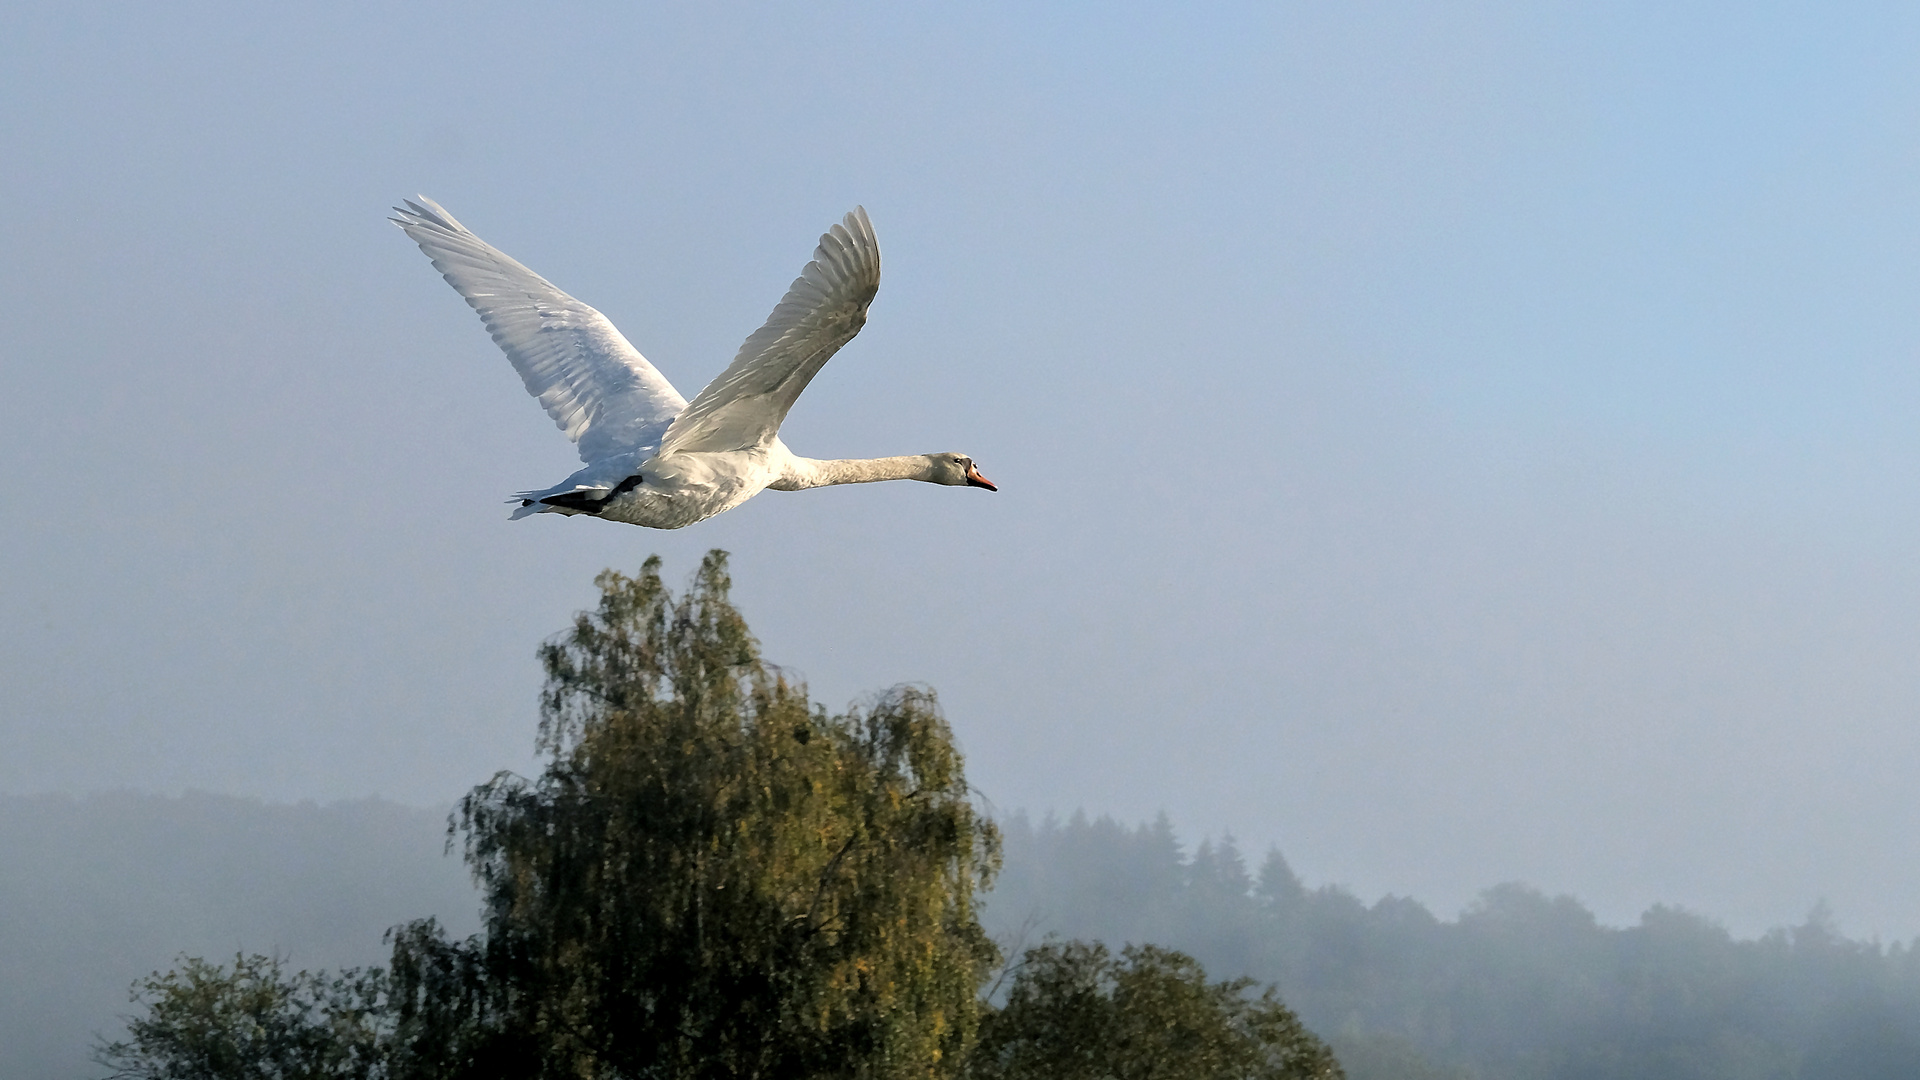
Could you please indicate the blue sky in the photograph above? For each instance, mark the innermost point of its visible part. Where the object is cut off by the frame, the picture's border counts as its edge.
(1456, 443)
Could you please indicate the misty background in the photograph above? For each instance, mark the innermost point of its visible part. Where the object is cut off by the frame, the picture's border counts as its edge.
(1455, 443)
(1520, 985)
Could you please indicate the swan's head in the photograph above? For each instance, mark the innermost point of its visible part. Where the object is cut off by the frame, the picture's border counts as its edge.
(956, 470)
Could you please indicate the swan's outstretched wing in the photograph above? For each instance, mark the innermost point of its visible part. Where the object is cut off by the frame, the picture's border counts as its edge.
(823, 309)
(596, 386)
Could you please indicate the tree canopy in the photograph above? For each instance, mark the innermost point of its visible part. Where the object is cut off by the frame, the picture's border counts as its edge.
(1076, 1012)
(253, 1021)
(711, 877)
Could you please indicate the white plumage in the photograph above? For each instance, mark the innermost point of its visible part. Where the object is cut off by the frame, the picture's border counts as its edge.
(652, 458)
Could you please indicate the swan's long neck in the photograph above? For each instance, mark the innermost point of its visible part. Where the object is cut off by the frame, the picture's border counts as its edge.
(809, 473)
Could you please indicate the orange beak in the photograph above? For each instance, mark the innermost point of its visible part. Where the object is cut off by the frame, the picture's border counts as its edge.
(974, 479)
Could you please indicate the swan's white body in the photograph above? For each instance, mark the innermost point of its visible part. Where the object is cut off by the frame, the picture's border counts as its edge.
(652, 458)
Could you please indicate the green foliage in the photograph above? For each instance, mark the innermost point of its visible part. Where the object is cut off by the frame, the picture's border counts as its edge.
(1074, 1012)
(254, 1021)
(711, 878)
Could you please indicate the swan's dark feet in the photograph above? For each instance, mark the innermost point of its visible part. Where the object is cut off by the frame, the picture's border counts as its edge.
(591, 504)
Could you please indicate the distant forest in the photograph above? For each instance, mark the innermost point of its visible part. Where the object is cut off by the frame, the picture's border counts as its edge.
(1521, 986)
(99, 891)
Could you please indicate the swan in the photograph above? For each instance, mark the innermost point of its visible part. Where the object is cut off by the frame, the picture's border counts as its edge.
(652, 458)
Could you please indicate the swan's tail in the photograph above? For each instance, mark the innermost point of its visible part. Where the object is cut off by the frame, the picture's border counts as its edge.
(533, 502)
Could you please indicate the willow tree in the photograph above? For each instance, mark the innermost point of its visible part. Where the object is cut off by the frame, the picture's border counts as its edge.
(712, 877)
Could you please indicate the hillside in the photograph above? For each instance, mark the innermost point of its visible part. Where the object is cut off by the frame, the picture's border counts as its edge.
(98, 891)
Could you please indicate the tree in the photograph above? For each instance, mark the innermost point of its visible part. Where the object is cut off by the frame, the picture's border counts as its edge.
(1074, 1012)
(711, 877)
(255, 1021)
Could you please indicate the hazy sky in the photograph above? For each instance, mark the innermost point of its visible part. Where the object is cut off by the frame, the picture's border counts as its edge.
(1455, 442)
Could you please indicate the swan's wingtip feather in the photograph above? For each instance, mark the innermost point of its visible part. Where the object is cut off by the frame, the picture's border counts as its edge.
(424, 212)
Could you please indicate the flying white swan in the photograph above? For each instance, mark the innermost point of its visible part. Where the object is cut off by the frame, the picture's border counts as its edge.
(652, 458)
